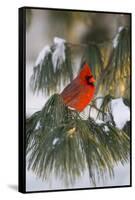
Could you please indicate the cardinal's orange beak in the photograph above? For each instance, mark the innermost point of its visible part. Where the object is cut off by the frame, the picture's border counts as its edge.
(92, 80)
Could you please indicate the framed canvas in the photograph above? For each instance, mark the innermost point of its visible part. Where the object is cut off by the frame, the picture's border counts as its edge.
(74, 99)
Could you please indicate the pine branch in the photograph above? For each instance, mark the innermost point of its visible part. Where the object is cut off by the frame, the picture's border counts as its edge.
(59, 141)
(46, 77)
(93, 57)
(104, 73)
(47, 80)
(118, 64)
(85, 45)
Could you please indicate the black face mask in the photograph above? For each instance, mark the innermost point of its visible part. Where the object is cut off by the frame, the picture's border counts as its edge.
(88, 80)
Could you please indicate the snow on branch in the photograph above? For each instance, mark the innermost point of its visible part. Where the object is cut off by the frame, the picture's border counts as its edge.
(55, 141)
(120, 112)
(52, 67)
(116, 38)
(58, 56)
(43, 53)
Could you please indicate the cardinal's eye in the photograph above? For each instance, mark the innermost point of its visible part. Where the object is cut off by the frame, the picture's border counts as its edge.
(88, 78)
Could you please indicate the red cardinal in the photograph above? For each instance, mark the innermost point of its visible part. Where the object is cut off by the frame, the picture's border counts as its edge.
(80, 91)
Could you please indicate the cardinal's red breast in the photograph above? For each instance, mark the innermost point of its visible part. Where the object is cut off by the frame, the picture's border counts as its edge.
(79, 93)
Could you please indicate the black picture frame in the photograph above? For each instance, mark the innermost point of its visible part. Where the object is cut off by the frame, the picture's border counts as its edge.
(22, 101)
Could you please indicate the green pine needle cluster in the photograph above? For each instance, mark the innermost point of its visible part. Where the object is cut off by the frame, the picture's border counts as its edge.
(60, 142)
(48, 80)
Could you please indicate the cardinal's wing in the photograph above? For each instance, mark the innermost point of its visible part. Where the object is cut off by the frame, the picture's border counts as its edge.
(71, 91)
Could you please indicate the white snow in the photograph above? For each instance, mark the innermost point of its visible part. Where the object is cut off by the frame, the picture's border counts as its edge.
(121, 177)
(106, 129)
(58, 56)
(55, 141)
(37, 126)
(58, 40)
(43, 53)
(120, 29)
(98, 121)
(115, 40)
(120, 112)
